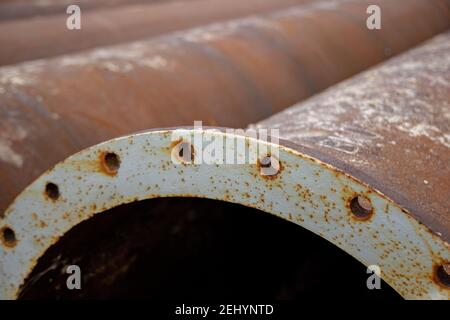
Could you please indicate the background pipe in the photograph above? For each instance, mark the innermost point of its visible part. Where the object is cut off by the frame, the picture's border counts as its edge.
(48, 36)
(22, 9)
(389, 127)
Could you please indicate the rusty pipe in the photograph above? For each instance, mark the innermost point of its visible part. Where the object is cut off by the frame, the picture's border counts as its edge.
(389, 127)
(356, 165)
(22, 9)
(228, 74)
(48, 36)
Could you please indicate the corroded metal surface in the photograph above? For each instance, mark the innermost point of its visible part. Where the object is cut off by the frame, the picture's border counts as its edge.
(227, 74)
(48, 36)
(392, 125)
(304, 191)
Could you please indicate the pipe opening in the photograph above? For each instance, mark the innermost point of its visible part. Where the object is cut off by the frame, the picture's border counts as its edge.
(196, 248)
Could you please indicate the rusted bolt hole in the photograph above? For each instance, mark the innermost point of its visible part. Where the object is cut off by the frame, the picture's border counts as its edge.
(112, 162)
(443, 274)
(361, 207)
(185, 152)
(8, 237)
(52, 191)
(269, 165)
(266, 162)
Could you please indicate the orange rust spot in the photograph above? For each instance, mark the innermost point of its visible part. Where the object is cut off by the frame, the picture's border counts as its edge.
(174, 143)
(66, 216)
(8, 237)
(246, 195)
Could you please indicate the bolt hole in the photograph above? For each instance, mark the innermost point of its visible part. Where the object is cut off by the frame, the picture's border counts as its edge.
(266, 162)
(361, 207)
(443, 274)
(186, 152)
(112, 162)
(8, 237)
(269, 166)
(52, 191)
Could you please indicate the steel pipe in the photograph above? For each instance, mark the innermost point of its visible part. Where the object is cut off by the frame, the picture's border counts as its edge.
(390, 127)
(363, 165)
(48, 36)
(22, 9)
(229, 74)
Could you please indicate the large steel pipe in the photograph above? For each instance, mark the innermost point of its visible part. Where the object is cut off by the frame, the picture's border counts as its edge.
(364, 165)
(43, 37)
(390, 127)
(21, 9)
(228, 74)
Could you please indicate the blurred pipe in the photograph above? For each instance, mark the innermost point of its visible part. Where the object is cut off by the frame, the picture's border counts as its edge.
(48, 36)
(21, 9)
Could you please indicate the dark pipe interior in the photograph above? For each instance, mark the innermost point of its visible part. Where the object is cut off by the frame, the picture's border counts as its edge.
(197, 248)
